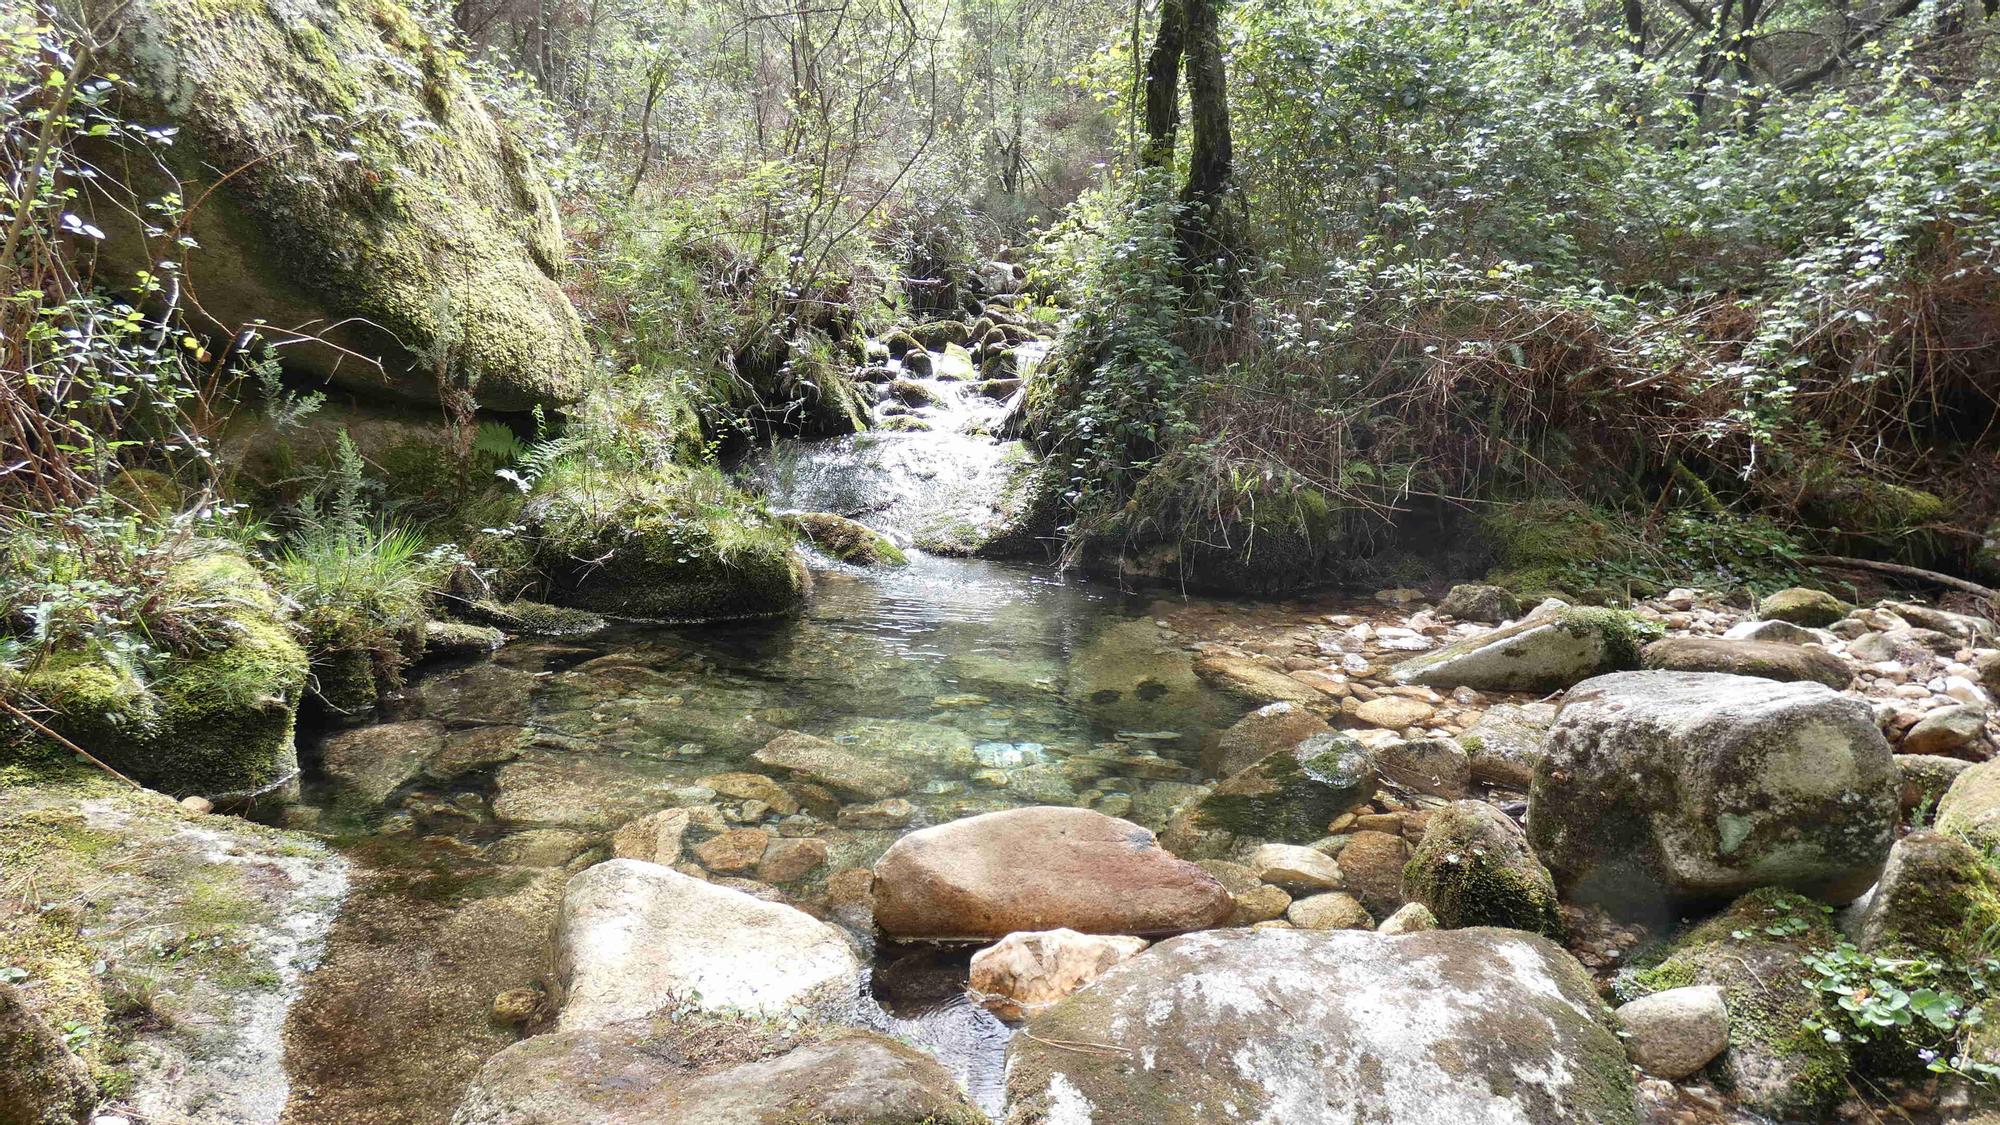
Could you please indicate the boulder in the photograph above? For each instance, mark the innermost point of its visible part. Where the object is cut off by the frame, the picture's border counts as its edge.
(1040, 868)
(1295, 868)
(672, 545)
(636, 938)
(216, 722)
(1438, 767)
(1946, 729)
(1676, 1032)
(1245, 679)
(1318, 1027)
(713, 1070)
(1371, 865)
(1926, 778)
(1506, 742)
(1394, 712)
(1541, 653)
(1286, 797)
(1026, 972)
(823, 763)
(1971, 807)
(1474, 868)
(1333, 911)
(1814, 609)
(1664, 786)
(1751, 952)
(1771, 660)
(847, 540)
(419, 231)
(1777, 632)
(1936, 899)
(42, 1082)
(1488, 605)
(1268, 729)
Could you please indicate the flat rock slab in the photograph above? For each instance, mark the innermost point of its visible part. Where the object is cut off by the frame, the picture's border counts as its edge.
(1772, 660)
(1328, 1027)
(1545, 652)
(635, 938)
(843, 771)
(1040, 868)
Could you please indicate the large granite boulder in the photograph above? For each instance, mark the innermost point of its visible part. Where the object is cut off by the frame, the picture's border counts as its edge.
(1040, 868)
(1328, 1027)
(371, 198)
(713, 1070)
(1541, 653)
(1665, 786)
(1290, 797)
(1772, 660)
(635, 938)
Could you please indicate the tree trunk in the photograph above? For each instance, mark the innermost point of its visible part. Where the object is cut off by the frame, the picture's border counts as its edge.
(1210, 159)
(1163, 86)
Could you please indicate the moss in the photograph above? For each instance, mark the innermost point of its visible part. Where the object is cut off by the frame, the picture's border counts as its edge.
(846, 540)
(1752, 951)
(901, 341)
(675, 545)
(1473, 868)
(1622, 633)
(535, 617)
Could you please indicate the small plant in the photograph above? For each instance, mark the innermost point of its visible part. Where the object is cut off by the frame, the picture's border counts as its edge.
(1918, 1008)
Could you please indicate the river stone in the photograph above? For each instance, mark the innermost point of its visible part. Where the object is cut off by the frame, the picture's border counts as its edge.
(1248, 680)
(843, 771)
(1768, 659)
(635, 938)
(1410, 918)
(1026, 972)
(1936, 898)
(1946, 729)
(655, 838)
(1926, 777)
(1676, 1032)
(1666, 786)
(577, 790)
(1334, 911)
(1371, 864)
(1295, 868)
(1777, 632)
(1394, 712)
(1327, 1027)
(1438, 767)
(373, 762)
(437, 257)
(713, 1070)
(788, 861)
(1542, 653)
(1040, 868)
(878, 815)
(1287, 797)
(733, 852)
(1474, 868)
(1489, 605)
(42, 1082)
(1506, 742)
(753, 787)
(1266, 730)
(1814, 609)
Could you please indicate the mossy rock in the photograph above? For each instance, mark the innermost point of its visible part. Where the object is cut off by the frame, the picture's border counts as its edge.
(935, 334)
(1543, 652)
(846, 540)
(670, 545)
(373, 198)
(42, 1082)
(216, 721)
(1752, 951)
(522, 616)
(1474, 868)
(1937, 898)
(1814, 609)
(901, 342)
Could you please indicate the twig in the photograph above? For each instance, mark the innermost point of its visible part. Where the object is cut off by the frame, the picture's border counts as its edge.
(1078, 1047)
(1901, 571)
(80, 751)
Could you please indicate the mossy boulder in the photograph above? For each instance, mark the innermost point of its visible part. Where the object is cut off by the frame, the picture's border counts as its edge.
(1478, 602)
(539, 618)
(1936, 898)
(373, 198)
(847, 540)
(1814, 609)
(1771, 660)
(1657, 788)
(936, 334)
(1287, 797)
(1474, 868)
(1752, 951)
(671, 544)
(1477, 1025)
(901, 342)
(215, 720)
(1542, 653)
(1970, 808)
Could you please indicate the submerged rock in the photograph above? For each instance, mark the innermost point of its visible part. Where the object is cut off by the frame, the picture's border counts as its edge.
(1286, 797)
(1268, 729)
(1329, 1027)
(1544, 652)
(821, 762)
(439, 252)
(1026, 972)
(713, 1070)
(1663, 786)
(1040, 868)
(635, 939)
(1133, 675)
(374, 762)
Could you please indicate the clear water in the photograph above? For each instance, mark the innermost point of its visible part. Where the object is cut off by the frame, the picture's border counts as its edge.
(991, 685)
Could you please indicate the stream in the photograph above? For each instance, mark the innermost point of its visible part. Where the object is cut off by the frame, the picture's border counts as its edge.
(990, 685)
